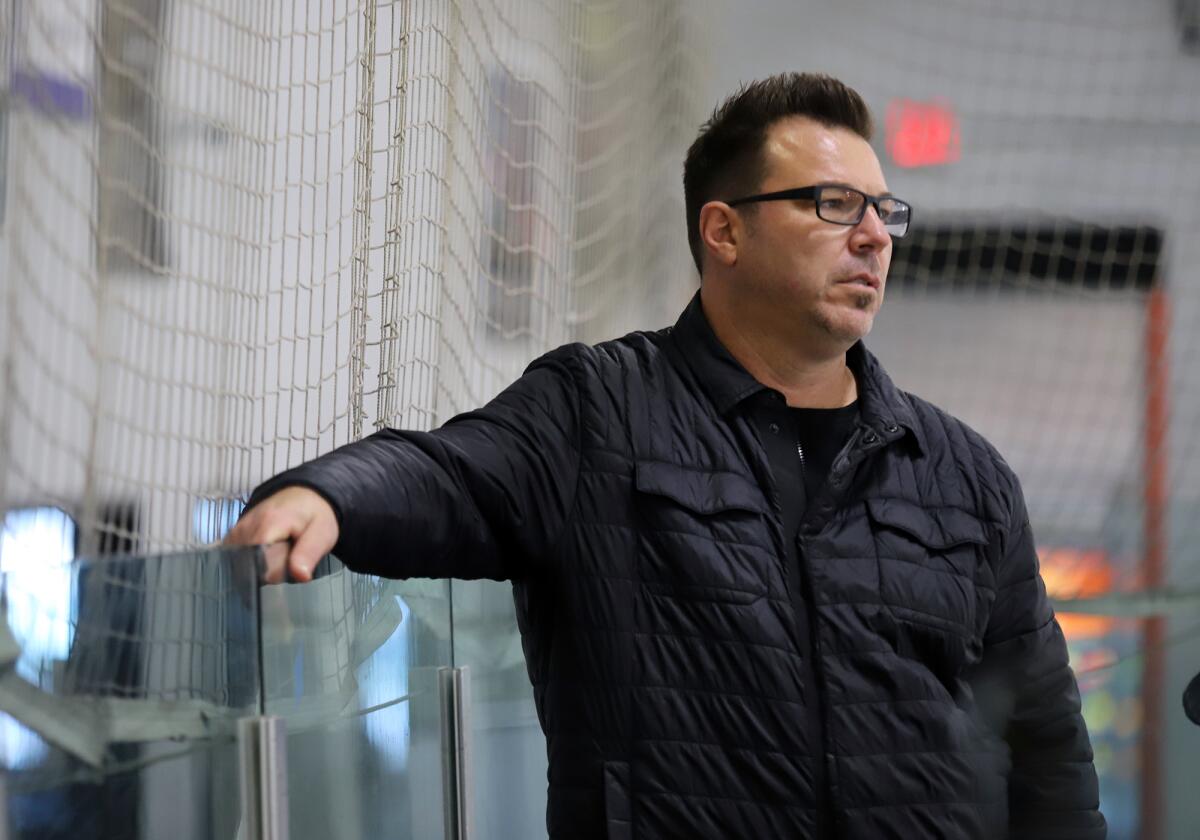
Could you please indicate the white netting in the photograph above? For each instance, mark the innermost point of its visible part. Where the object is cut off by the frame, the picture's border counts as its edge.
(127, 649)
(239, 235)
(179, 646)
(1049, 296)
(236, 235)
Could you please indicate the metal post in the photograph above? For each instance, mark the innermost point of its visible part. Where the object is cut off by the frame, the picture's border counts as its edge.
(457, 789)
(262, 756)
(3, 805)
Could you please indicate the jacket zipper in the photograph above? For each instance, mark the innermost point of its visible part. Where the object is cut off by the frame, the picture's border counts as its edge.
(824, 815)
(826, 819)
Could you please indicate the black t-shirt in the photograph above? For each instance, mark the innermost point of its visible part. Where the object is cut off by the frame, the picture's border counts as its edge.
(821, 433)
(801, 445)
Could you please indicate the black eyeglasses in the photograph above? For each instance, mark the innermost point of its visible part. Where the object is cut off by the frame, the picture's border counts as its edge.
(843, 205)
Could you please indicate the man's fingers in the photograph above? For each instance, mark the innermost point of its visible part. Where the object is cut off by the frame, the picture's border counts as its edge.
(314, 543)
(275, 560)
(296, 515)
(268, 523)
(260, 526)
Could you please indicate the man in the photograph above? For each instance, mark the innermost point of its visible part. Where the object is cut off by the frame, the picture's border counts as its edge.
(763, 593)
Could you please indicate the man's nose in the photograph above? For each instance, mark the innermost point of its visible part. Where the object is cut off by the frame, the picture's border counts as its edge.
(870, 234)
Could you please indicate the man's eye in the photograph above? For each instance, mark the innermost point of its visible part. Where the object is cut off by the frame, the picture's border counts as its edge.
(841, 203)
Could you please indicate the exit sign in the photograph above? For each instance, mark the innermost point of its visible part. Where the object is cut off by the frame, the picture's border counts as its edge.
(922, 133)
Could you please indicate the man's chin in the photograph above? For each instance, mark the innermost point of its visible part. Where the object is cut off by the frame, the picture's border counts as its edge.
(847, 327)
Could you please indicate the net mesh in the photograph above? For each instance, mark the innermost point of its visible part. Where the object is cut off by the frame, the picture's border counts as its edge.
(126, 649)
(1049, 296)
(234, 236)
(239, 236)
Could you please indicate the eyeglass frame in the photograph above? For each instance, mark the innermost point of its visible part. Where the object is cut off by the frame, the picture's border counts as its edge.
(810, 193)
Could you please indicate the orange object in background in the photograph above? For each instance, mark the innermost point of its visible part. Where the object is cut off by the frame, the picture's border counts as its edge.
(922, 133)
(1078, 573)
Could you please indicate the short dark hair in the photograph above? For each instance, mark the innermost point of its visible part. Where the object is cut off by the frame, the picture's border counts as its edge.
(726, 160)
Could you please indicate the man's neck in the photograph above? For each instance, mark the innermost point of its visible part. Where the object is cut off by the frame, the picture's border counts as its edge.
(807, 379)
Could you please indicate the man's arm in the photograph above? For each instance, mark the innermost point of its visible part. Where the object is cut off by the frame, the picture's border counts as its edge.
(486, 495)
(1053, 790)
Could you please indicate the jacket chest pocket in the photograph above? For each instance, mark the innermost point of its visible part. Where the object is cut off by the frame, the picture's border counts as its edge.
(928, 559)
(702, 535)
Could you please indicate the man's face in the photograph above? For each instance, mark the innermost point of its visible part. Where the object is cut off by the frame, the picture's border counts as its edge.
(823, 279)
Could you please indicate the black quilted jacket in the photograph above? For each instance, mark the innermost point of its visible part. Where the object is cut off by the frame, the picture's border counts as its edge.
(633, 508)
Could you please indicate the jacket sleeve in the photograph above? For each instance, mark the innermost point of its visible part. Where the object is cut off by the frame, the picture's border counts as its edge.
(484, 496)
(1053, 791)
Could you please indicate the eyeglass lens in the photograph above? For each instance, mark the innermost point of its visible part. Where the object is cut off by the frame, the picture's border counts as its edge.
(846, 206)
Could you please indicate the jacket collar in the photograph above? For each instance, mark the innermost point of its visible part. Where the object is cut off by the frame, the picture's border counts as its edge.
(882, 406)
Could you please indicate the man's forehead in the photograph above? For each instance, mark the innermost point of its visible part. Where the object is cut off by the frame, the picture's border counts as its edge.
(799, 147)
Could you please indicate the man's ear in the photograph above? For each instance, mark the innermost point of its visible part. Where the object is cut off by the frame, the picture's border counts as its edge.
(721, 232)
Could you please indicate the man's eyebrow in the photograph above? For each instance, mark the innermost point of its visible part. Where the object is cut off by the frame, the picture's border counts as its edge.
(884, 194)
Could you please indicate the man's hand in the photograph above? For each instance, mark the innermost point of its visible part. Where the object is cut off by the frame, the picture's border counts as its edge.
(295, 514)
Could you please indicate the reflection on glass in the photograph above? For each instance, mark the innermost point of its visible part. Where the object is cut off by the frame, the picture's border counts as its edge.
(387, 715)
(508, 749)
(1109, 668)
(1106, 655)
(134, 704)
(35, 546)
(350, 662)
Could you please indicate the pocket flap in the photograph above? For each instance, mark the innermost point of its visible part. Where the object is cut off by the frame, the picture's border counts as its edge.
(937, 528)
(699, 490)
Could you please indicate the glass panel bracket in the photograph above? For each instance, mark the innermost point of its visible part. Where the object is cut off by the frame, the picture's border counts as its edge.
(455, 694)
(262, 759)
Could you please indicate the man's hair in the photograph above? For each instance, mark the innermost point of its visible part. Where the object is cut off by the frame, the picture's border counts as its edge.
(726, 161)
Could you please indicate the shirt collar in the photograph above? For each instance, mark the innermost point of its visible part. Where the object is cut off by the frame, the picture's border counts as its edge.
(882, 405)
(722, 376)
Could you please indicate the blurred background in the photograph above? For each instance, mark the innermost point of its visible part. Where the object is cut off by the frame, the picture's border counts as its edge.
(236, 235)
